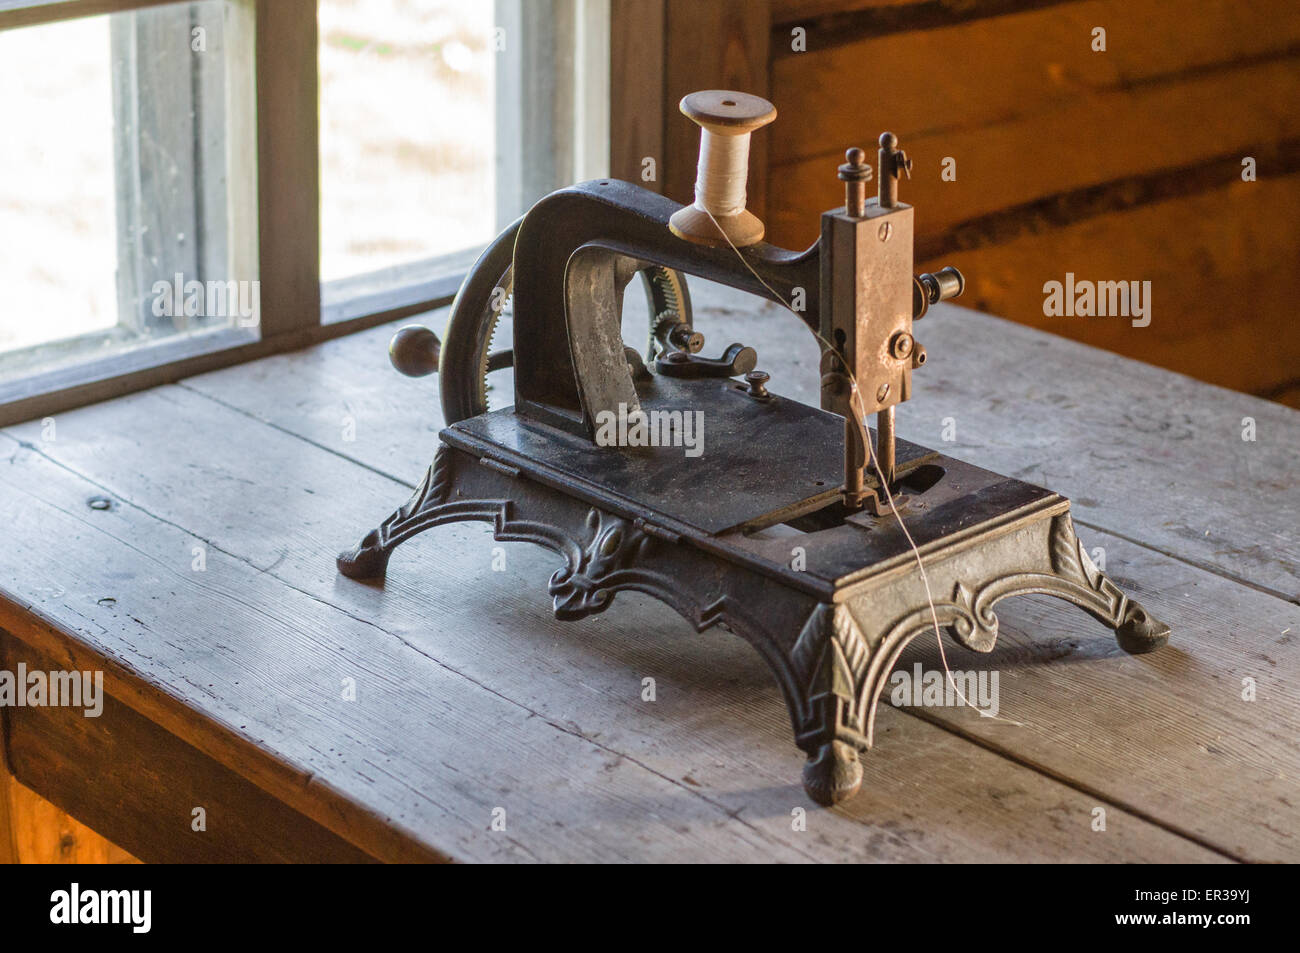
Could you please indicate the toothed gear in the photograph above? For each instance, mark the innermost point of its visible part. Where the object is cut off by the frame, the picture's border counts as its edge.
(467, 343)
(670, 303)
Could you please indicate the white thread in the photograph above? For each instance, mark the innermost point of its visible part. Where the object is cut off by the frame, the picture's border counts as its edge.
(889, 497)
(721, 173)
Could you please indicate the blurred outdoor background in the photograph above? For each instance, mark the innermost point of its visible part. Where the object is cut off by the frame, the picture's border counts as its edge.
(407, 143)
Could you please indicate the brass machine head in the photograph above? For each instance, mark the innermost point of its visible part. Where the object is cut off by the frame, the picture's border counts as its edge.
(869, 300)
(869, 296)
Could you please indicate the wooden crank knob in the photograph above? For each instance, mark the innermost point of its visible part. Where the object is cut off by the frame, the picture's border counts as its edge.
(414, 351)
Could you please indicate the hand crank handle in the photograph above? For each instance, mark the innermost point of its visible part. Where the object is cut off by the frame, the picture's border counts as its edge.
(414, 351)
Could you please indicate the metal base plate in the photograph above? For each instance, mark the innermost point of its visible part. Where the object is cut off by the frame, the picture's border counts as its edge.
(766, 484)
(759, 458)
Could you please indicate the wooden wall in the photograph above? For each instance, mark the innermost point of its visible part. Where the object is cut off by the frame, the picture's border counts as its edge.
(1117, 165)
(40, 833)
(34, 831)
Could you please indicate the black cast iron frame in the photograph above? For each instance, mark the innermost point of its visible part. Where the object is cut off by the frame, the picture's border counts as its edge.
(830, 631)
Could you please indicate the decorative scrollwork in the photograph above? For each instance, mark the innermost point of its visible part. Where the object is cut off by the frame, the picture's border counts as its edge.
(835, 659)
(833, 674)
(832, 664)
(587, 585)
(369, 558)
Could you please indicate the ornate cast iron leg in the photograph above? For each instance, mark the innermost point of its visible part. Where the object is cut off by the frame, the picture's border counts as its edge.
(831, 659)
(369, 558)
(833, 774)
(843, 656)
(839, 667)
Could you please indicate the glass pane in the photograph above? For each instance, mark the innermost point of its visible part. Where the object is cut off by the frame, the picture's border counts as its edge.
(407, 133)
(56, 183)
(116, 186)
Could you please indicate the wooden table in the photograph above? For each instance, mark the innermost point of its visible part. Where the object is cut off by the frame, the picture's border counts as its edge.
(313, 717)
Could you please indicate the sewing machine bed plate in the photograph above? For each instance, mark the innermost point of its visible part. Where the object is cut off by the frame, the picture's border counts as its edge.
(758, 457)
(759, 475)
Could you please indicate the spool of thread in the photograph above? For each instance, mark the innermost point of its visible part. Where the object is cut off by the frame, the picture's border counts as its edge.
(726, 120)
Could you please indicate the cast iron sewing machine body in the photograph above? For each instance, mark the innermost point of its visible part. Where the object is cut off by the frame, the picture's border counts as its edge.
(780, 529)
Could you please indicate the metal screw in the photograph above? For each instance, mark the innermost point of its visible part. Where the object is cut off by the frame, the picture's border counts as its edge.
(886, 229)
(882, 393)
(757, 381)
(99, 503)
(684, 337)
(901, 346)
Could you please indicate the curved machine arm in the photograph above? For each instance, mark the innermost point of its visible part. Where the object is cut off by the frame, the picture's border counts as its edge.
(566, 294)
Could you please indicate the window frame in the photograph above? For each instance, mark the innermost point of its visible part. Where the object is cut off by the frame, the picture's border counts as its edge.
(283, 250)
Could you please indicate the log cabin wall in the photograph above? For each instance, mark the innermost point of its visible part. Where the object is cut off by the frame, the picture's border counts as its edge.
(1124, 164)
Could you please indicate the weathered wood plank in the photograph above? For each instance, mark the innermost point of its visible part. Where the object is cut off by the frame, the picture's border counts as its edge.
(249, 671)
(131, 781)
(449, 647)
(1204, 733)
(417, 587)
(1010, 66)
(1114, 135)
(1118, 437)
(1142, 452)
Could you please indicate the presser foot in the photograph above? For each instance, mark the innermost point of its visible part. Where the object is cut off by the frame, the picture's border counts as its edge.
(832, 632)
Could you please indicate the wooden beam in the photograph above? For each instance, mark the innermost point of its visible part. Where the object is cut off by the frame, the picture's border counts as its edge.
(717, 45)
(636, 101)
(288, 166)
(1170, 150)
(8, 846)
(844, 21)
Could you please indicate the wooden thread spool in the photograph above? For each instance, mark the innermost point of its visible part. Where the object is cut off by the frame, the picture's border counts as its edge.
(726, 120)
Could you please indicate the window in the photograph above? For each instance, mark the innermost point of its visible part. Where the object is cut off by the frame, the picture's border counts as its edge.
(119, 193)
(190, 184)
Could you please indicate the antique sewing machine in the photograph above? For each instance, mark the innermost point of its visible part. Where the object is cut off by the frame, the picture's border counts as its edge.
(783, 530)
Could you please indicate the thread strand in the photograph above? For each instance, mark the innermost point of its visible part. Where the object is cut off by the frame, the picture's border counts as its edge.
(889, 497)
